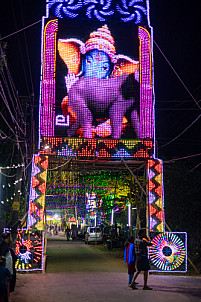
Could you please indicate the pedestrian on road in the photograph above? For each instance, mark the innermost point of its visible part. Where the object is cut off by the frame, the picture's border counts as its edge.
(74, 234)
(67, 231)
(141, 244)
(4, 275)
(13, 270)
(130, 259)
(5, 251)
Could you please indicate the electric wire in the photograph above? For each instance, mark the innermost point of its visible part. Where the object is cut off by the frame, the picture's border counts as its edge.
(7, 175)
(25, 39)
(2, 94)
(11, 85)
(20, 49)
(184, 157)
(194, 168)
(188, 93)
(16, 32)
(177, 75)
(181, 132)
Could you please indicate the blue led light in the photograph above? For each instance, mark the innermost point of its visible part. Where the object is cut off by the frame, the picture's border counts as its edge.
(98, 9)
(97, 15)
(65, 8)
(89, 10)
(121, 11)
(132, 10)
(122, 153)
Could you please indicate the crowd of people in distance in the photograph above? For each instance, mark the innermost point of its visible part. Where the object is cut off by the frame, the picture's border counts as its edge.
(54, 229)
(71, 233)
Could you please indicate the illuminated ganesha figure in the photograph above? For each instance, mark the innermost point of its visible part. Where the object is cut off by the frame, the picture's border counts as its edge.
(102, 87)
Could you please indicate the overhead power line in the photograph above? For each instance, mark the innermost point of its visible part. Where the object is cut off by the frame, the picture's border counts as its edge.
(16, 32)
(184, 157)
(180, 133)
(177, 75)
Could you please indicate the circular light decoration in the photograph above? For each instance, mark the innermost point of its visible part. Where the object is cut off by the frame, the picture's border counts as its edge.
(28, 250)
(167, 252)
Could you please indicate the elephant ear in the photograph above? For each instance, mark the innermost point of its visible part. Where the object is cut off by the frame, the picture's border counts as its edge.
(126, 65)
(69, 51)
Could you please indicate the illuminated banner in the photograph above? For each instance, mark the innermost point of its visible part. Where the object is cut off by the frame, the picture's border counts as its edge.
(97, 74)
(168, 252)
(29, 250)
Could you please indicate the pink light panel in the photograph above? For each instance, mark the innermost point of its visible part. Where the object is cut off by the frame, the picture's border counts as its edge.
(48, 83)
(146, 93)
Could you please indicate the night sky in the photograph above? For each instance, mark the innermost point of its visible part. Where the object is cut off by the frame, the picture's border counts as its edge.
(177, 31)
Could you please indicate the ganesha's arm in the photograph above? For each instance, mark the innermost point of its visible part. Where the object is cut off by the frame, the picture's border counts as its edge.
(66, 109)
(70, 79)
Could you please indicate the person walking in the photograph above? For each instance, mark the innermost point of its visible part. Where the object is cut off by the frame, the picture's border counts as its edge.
(74, 234)
(130, 259)
(141, 244)
(67, 231)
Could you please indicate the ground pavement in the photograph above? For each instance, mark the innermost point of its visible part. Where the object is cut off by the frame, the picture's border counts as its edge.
(77, 273)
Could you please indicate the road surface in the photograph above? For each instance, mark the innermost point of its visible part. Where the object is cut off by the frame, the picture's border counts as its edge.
(77, 273)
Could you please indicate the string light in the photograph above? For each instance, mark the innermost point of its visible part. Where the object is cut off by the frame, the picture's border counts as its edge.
(12, 167)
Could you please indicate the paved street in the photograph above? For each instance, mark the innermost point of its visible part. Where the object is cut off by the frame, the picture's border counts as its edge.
(77, 272)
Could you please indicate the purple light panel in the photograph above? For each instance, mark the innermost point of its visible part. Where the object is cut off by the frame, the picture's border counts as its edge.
(146, 93)
(48, 82)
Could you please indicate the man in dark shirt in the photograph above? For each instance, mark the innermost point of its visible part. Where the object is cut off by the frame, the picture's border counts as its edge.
(141, 243)
(4, 274)
(4, 250)
(4, 245)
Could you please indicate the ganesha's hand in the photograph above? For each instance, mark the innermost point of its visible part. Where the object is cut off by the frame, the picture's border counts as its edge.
(70, 79)
(137, 75)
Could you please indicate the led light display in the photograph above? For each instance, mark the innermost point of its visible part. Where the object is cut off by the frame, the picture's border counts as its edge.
(155, 195)
(168, 252)
(29, 250)
(101, 149)
(96, 78)
(100, 10)
(37, 192)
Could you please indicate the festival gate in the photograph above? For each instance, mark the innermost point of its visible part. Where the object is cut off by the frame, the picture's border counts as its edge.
(97, 113)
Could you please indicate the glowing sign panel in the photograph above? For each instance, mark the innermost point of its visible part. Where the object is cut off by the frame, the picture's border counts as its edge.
(29, 250)
(96, 81)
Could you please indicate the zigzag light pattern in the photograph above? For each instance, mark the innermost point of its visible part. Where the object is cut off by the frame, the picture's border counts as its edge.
(37, 192)
(155, 191)
(97, 148)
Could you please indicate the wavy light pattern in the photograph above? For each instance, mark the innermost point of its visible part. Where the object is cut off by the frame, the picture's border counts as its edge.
(99, 9)
(65, 8)
(126, 10)
(131, 10)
